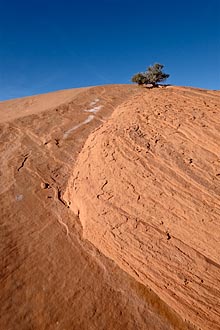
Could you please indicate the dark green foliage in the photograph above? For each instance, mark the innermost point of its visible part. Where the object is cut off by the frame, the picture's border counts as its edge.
(153, 75)
(138, 78)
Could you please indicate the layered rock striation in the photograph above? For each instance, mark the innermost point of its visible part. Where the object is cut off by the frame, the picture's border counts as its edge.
(146, 188)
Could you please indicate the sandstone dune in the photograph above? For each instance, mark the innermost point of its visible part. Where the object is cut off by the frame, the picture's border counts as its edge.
(146, 188)
(50, 276)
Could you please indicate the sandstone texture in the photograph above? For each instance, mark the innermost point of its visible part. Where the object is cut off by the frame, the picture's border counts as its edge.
(146, 189)
(50, 276)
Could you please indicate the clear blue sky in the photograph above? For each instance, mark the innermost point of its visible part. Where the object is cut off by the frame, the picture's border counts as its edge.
(49, 45)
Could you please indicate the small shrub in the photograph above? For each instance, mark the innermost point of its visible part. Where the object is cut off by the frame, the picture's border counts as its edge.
(153, 75)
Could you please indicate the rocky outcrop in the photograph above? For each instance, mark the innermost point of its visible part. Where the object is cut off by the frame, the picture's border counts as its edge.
(146, 188)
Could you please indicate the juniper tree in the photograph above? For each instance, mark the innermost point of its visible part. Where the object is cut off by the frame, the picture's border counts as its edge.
(153, 75)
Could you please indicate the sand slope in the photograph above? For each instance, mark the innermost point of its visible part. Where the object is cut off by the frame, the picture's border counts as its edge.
(50, 277)
(25, 106)
(146, 188)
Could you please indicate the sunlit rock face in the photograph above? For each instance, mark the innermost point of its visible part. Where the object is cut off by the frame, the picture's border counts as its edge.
(146, 188)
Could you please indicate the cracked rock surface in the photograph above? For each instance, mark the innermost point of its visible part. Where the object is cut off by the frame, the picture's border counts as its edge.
(146, 188)
(50, 277)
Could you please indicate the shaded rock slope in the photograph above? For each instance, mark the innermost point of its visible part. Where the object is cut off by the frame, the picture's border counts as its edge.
(146, 188)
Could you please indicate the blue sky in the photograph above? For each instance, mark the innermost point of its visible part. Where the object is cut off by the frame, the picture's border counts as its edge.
(51, 45)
